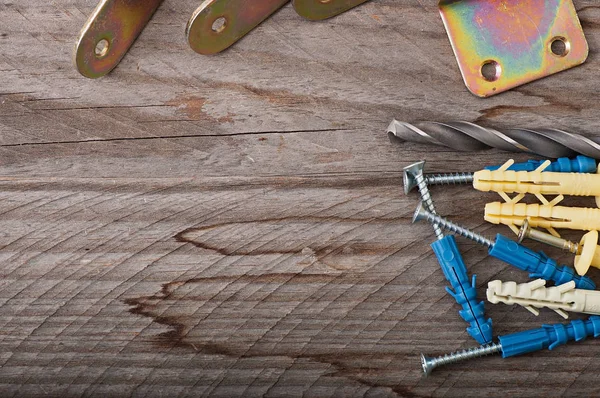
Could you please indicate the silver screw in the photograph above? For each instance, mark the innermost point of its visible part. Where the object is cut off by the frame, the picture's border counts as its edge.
(443, 179)
(423, 214)
(431, 363)
(413, 176)
(449, 179)
(527, 232)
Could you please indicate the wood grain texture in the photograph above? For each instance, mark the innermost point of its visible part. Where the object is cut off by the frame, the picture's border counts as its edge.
(234, 225)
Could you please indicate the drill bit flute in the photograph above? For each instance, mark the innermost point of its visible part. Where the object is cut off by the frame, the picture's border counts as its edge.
(465, 136)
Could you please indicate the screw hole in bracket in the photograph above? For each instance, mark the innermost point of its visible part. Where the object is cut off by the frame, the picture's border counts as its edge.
(491, 70)
(219, 24)
(101, 49)
(560, 46)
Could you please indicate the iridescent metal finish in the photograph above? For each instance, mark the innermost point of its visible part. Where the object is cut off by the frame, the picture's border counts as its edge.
(109, 33)
(501, 44)
(316, 10)
(217, 24)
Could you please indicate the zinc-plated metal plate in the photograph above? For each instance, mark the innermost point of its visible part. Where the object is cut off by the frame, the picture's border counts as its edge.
(316, 10)
(109, 33)
(501, 44)
(217, 24)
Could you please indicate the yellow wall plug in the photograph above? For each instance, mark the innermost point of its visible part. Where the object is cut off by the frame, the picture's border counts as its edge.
(538, 182)
(533, 295)
(587, 251)
(546, 216)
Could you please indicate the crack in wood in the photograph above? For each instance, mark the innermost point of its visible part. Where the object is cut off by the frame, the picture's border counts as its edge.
(167, 137)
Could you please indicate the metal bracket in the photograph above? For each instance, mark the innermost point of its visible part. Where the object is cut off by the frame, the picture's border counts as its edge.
(217, 24)
(316, 10)
(109, 33)
(501, 44)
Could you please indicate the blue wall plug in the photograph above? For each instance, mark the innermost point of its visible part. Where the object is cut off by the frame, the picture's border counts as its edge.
(548, 336)
(580, 164)
(465, 292)
(453, 266)
(536, 263)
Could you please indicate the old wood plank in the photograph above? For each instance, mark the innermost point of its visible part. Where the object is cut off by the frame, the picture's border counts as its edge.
(234, 226)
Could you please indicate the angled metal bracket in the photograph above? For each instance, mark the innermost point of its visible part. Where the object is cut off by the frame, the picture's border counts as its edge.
(316, 10)
(217, 24)
(109, 33)
(503, 44)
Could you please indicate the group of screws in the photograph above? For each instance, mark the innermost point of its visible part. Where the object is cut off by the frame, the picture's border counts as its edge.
(414, 176)
(548, 336)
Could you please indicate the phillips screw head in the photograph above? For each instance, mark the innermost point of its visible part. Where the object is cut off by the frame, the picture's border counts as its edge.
(410, 175)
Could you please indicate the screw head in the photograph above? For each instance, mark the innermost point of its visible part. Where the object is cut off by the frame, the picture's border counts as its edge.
(427, 365)
(420, 213)
(410, 174)
(524, 231)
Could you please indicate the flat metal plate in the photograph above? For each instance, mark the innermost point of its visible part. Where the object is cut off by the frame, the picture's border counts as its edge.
(316, 10)
(514, 39)
(116, 24)
(217, 24)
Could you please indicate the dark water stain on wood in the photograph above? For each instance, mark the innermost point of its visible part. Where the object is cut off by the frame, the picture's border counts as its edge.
(347, 363)
(330, 243)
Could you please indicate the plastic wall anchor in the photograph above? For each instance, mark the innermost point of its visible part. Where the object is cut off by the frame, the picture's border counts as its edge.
(580, 164)
(543, 216)
(561, 299)
(536, 263)
(590, 253)
(549, 336)
(463, 290)
(537, 182)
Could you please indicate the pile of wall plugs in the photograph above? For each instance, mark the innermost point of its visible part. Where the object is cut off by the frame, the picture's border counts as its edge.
(573, 291)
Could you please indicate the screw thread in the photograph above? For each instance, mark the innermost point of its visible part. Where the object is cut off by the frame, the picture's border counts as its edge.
(527, 232)
(431, 363)
(450, 226)
(449, 179)
(571, 247)
(428, 202)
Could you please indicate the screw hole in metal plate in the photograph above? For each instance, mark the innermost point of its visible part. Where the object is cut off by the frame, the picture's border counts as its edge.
(560, 46)
(491, 70)
(109, 33)
(219, 24)
(102, 48)
(528, 39)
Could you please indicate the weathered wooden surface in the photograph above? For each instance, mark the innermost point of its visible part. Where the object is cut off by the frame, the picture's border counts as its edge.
(234, 225)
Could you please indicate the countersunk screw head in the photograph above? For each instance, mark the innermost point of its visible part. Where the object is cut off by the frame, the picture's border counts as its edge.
(426, 364)
(410, 174)
(420, 213)
(524, 231)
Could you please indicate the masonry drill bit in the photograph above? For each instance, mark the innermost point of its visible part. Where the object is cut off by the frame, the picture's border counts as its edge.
(466, 136)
